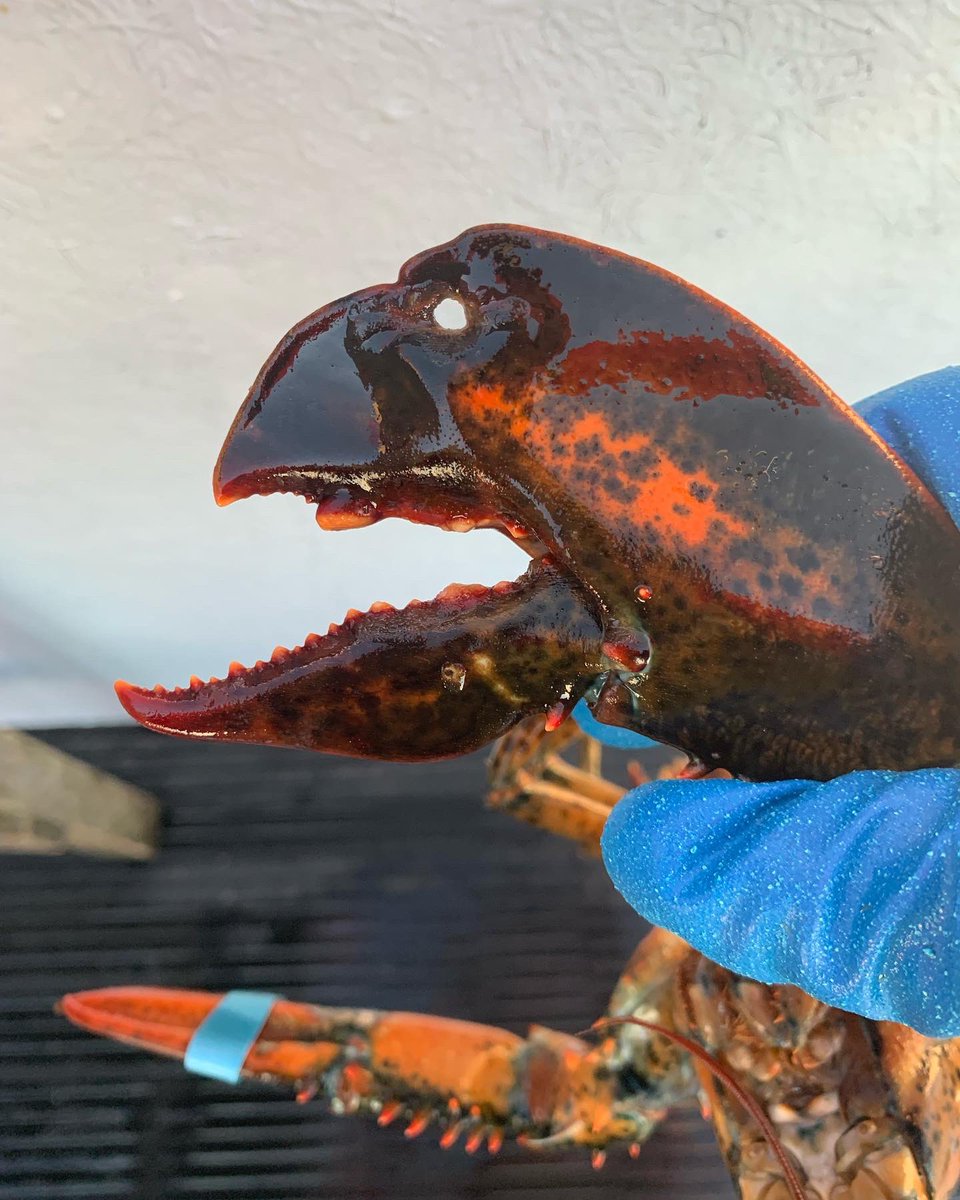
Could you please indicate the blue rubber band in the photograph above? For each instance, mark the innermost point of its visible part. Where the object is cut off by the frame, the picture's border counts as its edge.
(609, 735)
(221, 1043)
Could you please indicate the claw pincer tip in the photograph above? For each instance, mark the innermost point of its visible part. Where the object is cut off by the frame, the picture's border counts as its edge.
(212, 1034)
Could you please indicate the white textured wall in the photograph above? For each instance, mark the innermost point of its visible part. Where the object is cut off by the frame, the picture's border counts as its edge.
(179, 182)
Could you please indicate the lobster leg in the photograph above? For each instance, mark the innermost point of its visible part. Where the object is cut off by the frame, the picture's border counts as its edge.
(530, 780)
(469, 1080)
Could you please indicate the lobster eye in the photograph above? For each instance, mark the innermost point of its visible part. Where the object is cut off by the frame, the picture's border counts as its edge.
(450, 314)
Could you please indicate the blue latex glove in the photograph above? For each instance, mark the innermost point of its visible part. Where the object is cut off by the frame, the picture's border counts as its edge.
(849, 889)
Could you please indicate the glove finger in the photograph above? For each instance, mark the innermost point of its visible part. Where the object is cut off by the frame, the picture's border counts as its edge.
(920, 420)
(848, 889)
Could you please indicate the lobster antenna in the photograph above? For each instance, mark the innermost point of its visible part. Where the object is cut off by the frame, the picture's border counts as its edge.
(797, 1191)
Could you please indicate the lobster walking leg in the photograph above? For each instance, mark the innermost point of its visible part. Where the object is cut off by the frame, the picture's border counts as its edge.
(531, 781)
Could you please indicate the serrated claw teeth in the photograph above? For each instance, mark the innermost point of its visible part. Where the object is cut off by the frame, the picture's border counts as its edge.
(351, 625)
(456, 591)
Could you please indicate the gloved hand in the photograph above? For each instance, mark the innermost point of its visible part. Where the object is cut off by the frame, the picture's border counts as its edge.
(849, 889)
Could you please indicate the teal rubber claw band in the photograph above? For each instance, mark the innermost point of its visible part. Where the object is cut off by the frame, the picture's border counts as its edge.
(609, 735)
(221, 1042)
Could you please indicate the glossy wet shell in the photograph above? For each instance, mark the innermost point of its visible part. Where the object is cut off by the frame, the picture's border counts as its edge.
(775, 592)
(801, 588)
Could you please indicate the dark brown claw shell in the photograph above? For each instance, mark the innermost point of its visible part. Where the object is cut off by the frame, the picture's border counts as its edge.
(772, 590)
(426, 682)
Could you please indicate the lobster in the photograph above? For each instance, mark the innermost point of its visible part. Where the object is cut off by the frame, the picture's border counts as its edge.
(725, 558)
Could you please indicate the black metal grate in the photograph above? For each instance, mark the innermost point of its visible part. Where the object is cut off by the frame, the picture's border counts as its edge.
(326, 880)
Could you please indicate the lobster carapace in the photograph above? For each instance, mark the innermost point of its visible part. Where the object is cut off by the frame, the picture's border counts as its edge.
(725, 557)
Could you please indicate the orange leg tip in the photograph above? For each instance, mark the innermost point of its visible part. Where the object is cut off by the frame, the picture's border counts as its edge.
(355, 1079)
(449, 1137)
(389, 1113)
(634, 1149)
(694, 769)
(417, 1125)
(597, 1159)
(554, 719)
(636, 774)
(474, 1142)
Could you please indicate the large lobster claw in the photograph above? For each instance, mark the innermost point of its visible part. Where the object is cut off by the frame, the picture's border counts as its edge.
(634, 435)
